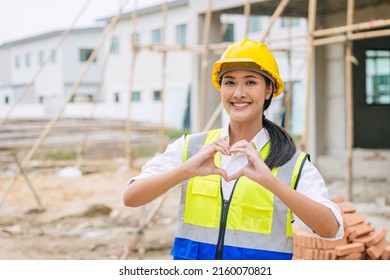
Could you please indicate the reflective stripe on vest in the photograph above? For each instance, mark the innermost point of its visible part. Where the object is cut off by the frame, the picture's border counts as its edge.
(258, 223)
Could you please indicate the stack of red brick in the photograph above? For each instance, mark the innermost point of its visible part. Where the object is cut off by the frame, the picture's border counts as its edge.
(361, 240)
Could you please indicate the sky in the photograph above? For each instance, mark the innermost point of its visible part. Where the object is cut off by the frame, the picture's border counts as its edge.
(24, 18)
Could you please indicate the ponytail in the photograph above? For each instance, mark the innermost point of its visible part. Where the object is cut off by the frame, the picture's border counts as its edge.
(282, 144)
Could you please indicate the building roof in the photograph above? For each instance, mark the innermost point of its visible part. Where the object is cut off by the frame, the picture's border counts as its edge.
(150, 10)
(50, 34)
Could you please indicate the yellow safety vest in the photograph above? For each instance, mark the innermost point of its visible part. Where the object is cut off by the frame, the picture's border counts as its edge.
(253, 224)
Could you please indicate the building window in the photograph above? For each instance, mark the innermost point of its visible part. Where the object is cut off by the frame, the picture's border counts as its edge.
(17, 62)
(181, 34)
(378, 77)
(117, 97)
(85, 54)
(41, 56)
(156, 36)
(228, 36)
(54, 58)
(157, 95)
(137, 38)
(285, 22)
(136, 96)
(6, 100)
(254, 24)
(115, 45)
(27, 61)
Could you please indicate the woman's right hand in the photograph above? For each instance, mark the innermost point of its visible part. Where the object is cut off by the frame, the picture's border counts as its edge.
(202, 163)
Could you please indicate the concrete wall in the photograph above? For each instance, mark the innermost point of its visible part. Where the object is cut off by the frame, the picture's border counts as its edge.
(330, 110)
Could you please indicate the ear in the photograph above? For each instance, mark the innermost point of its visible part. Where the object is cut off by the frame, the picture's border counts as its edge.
(269, 92)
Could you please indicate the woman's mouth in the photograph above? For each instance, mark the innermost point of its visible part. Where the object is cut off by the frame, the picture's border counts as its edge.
(240, 105)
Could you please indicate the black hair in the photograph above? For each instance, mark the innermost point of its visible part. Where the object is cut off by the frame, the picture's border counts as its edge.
(282, 144)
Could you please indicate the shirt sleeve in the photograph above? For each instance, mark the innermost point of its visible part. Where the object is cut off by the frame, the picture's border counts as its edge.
(171, 158)
(312, 185)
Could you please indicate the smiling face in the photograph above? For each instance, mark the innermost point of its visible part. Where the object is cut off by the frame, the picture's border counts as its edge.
(243, 93)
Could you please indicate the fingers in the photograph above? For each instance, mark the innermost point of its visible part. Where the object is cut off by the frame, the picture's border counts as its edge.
(235, 176)
(219, 145)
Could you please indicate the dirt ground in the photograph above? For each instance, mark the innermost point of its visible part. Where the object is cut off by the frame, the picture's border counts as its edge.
(84, 218)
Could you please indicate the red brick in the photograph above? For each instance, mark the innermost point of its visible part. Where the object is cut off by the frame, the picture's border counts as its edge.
(363, 239)
(353, 256)
(343, 250)
(351, 219)
(346, 207)
(331, 244)
(360, 230)
(376, 237)
(307, 254)
(376, 251)
(386, 253)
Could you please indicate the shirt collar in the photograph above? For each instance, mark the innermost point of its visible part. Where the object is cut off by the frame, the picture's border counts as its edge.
(260, 139)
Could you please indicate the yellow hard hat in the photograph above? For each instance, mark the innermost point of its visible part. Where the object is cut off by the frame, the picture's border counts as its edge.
(248, 55)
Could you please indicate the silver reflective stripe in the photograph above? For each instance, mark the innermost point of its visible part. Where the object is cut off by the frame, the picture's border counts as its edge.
(196, 143)
(234, 238)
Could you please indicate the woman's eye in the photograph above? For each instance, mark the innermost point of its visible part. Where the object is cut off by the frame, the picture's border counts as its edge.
(250, 83)
(229, 83)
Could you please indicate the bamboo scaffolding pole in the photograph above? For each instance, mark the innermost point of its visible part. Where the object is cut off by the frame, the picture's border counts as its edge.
(29, 184)
(349, 98)
(278, 11)
(163, 76)
(216, 48)
(288, 92)
(61, 40)
(10, 184)
(72, 91)
(247, 13)
(143, 224)
(134, 53)
(204, 64)
(372, 24)
(352, 37)
(312, 8)
(91, 118)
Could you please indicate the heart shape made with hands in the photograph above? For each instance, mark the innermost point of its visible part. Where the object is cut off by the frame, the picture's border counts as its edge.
(234, 163)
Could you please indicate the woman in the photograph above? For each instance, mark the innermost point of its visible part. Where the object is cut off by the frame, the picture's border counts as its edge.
(245, 184)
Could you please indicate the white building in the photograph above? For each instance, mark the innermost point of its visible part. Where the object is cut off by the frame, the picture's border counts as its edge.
(22, 59)
(111, 77)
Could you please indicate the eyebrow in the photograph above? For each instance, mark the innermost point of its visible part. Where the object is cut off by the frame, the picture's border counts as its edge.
(245, 77)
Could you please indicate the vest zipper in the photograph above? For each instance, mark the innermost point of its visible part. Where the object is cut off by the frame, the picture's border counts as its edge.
(222, 229)
(222, 223)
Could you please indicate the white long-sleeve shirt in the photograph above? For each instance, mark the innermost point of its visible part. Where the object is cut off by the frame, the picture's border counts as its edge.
(310, 184)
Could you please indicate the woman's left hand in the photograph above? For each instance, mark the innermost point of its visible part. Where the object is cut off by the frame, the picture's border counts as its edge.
(256, 169)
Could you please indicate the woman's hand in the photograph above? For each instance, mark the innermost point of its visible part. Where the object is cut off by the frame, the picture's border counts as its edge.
(256, 169)
(202, 164)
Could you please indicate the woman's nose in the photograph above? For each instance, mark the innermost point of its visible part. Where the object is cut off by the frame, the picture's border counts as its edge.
(239, 91)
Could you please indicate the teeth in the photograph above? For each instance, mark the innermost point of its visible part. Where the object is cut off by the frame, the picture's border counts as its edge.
(241, 104)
